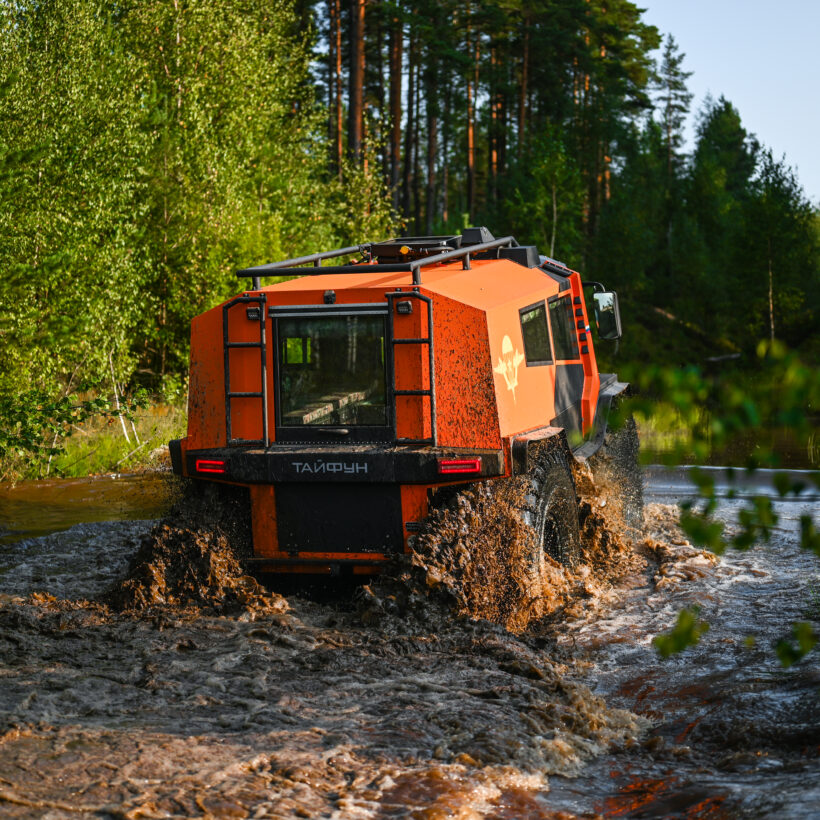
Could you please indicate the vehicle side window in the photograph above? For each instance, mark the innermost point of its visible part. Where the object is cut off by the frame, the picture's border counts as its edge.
(535, 334)
(563, 328)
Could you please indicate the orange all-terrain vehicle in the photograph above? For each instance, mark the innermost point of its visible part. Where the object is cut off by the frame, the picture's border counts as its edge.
(347, 398)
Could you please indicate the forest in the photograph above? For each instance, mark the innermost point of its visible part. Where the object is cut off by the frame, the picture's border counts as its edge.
(149, 150)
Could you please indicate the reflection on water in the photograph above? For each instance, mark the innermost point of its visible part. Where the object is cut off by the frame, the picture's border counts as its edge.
(790, 453)
(32, 508)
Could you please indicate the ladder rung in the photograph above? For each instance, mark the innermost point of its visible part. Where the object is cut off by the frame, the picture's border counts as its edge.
(243, 344)
(411, 341)
(246, 441)
(419, 441)
(245, 395)
(412, 393)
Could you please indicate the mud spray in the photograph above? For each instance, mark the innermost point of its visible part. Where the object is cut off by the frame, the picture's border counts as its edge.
(190, 690)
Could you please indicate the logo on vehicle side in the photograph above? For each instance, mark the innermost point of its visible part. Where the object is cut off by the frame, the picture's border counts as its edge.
(508, 364)
(317, 467)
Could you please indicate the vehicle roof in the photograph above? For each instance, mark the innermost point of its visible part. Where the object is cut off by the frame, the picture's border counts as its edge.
(487, 285)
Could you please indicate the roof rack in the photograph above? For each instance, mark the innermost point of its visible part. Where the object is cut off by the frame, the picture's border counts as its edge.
(289, 267)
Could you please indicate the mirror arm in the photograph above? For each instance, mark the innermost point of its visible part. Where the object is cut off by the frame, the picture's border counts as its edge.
(596, 285)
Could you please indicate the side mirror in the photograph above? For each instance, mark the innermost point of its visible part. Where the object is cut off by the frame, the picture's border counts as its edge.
(607, 315)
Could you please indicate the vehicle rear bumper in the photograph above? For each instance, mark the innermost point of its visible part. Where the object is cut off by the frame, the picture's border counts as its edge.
(355, 463)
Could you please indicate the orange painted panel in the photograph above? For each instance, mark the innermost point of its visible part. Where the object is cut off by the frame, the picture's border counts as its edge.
(525, 393)
(485, 389)
(466, 400)
(263, 517)
(206, 387)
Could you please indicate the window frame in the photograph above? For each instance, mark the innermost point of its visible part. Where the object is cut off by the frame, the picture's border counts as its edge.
(310, 433)
(521, 311)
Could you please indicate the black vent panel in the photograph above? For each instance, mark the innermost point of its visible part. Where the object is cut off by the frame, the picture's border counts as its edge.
(319, 517)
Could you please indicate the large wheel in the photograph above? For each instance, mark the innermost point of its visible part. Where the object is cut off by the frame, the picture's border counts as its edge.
(615, 467)
(552, 511)
(488, 543)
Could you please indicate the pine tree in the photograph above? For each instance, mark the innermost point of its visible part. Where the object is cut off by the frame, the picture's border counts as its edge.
(674, 99)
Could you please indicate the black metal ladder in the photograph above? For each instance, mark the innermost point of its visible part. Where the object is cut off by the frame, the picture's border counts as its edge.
(262, 394)
(429, 393)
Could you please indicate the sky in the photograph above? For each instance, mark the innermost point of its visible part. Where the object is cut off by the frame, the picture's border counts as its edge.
(763, 56)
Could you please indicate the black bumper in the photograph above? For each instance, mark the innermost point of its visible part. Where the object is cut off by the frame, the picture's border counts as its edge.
(356, 463)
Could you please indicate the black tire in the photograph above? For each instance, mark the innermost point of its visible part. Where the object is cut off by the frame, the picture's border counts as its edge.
(552, 511)
(488, 543)
(617, 464)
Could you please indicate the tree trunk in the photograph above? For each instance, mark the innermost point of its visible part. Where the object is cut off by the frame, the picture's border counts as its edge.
(396, 41)
(472, 85)
(501, 124)
(445, 152)
(416, 159)
(771, 291)
(522, 99)
(382, 134)
(431, 91)
(331, 79)
(337, 49)
(356, 88)
(408, 134)
(492, 142)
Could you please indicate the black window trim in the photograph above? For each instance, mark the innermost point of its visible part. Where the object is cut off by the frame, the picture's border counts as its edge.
(312, 311)
(527, 309)
(321, 434)
(556, 298)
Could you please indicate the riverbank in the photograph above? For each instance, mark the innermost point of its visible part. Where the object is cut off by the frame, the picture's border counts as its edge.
(104, 445)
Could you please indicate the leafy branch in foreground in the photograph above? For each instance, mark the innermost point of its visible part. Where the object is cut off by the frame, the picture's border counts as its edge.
(687, 632)
(806, 639)
(33, 423)
(784, 395)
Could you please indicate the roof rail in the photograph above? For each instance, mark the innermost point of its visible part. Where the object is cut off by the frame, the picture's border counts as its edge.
(288, 267)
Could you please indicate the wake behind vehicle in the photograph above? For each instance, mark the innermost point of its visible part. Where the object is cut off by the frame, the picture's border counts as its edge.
(346, 399)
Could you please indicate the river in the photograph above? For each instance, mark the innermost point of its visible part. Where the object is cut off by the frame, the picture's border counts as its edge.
(307, 709)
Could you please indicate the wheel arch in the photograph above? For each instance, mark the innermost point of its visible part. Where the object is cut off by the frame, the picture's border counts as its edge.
(611, 390)
(527, 448)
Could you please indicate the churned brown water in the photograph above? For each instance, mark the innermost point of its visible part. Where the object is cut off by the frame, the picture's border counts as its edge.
(149, 677)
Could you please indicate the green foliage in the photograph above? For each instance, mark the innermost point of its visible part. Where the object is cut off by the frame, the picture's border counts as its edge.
(674, 99)
(784, 394)
(146, 152)
(100, 446)
(686, 632)
(34, 425)
(545, 196)
(809, 535)
(805, 639)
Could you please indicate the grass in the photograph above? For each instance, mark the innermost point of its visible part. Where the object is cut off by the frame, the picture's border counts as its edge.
(101, 445)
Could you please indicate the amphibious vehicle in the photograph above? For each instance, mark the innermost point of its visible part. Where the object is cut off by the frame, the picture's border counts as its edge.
(347, 399)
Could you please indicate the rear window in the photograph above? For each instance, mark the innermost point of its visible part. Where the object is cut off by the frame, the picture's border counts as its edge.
(332, 371)
(562, 322)
(535, 334)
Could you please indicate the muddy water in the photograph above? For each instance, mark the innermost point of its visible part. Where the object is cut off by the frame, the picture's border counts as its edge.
(339, 708)
(734, 734)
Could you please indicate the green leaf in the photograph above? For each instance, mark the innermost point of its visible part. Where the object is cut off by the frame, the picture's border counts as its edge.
(687, 632)
(703, 531)
(805, 640)
(809, 536)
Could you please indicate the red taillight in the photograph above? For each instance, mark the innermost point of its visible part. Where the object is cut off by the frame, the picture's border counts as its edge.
(204, 465)
(459, 465)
